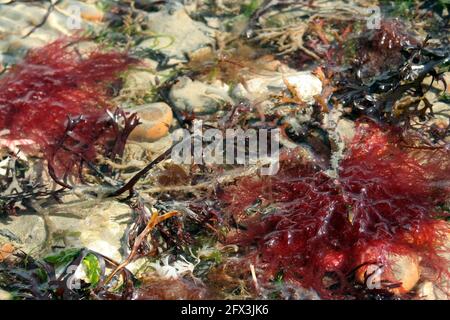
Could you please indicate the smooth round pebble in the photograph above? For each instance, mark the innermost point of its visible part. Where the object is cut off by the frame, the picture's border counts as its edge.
(155, 119)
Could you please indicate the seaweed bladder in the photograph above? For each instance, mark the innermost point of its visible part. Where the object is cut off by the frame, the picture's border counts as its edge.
(58, 99)
(309, 226)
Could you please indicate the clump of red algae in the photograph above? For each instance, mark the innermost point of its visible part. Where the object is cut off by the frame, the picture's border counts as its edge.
(384, 198)
(380, 49)
(59, 100)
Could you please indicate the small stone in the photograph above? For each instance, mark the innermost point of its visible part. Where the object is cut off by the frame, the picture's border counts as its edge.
(213, 22)
(441, 118)
(5, 295)
(346, 130)
(17, 19)
(155, 119)
(61, 23)
(198, 97)
(139, 83)
(178, 33)
(28, 232)
(441, 110)
(99, 227)
(155, 288)
(87, 11)
(402, 269)
(306, 85)
(5, 251)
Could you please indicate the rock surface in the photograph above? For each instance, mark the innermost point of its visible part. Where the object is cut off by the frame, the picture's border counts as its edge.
(428, 291)
(198, 97)
(155, 118)
(140, 82)
(5, 295)
(305, 84)
(176, 34)
(99, 227)
(400, 269)
(18, 19)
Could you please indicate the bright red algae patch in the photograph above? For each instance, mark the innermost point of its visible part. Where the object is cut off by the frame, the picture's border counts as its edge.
(384, 198)
(53, 83)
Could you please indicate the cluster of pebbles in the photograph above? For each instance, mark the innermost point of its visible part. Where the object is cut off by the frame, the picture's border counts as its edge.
(22, 27)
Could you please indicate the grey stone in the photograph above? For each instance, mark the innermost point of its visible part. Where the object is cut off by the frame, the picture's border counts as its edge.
(305, 84)
(198, 97)
(24, 231)
(176, 34)
(98, 226)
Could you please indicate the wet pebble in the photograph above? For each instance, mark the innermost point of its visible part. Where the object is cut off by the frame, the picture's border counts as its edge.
(99, 227)
(401, 269)
(176, 34)
(155, 119)
(139, 82)
(305, 84)
(4, 295)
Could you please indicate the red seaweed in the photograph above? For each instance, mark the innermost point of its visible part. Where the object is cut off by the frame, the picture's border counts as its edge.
(379, 50)
(308, 225)
(58, 99)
